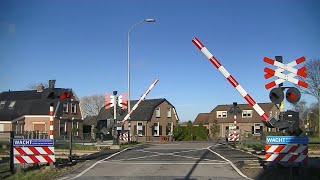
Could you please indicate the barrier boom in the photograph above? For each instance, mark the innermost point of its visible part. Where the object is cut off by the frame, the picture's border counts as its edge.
(141, 99)
(231, 80)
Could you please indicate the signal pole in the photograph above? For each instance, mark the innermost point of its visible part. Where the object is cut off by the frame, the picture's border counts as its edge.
(115, 134)
(281, 104)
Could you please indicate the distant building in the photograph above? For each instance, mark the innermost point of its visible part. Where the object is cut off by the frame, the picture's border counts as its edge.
(153, 120)
(28, 111)
(248, 121)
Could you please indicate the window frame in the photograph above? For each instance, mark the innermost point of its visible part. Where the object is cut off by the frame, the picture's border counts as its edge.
(138, 129)
(256, 126)
(169, 112)
(11, 105)
(2, 104)
(67, 107)
(220, 114)
(158, 129)
(247, 112)
(158, 112)
(74, 105)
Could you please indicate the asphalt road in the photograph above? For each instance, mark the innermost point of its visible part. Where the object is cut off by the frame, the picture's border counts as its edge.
(195, 160)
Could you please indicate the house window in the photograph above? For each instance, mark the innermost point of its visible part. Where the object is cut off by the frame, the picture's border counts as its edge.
(156, 129)
(276, 114)
(39, 126)
(270, 114)
(158, 112)
(62, 128)
(140, 129)
(65, 107)
(247, 113)
(169, 112)
(221, 114)
(75, 128)
(2, 103)
(169, 129)
(257, 128)
(73, 108)
(12, 103)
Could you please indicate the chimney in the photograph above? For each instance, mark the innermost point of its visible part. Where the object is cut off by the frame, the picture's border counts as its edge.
(40, 88)
(52, 83)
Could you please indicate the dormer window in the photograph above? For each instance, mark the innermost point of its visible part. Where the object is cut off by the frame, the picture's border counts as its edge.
(2, 103)
(11, 105)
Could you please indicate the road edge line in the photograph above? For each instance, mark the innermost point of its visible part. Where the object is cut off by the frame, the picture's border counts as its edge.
(231, 163)
(93, 165)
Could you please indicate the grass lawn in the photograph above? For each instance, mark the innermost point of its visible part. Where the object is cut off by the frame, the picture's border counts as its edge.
(75, 147)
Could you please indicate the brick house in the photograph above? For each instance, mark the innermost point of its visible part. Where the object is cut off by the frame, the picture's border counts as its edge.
(153, 120)
(28, 111)
(248, 121)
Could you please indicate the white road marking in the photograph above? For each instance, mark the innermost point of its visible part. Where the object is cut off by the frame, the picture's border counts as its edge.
(141, 157)
(93, 165)
(234, 166)
(168, 163)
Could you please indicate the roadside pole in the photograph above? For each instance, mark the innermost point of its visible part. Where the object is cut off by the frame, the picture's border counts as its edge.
(11, 152)
(115, 132)
(235, 122)
(51, 128)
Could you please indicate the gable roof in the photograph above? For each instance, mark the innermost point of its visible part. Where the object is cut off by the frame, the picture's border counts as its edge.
(226, 107)
(201, 118)
(28, 102)
(144, 111)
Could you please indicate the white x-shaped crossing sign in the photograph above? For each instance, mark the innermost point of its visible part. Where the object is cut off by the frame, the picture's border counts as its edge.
(285, 77)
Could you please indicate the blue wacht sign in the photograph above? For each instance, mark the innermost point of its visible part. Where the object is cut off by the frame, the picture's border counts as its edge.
(32, 142)
(286, 140)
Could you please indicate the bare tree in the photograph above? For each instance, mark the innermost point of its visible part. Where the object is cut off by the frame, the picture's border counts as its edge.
(33, 86)
(313, 79)
(303, 109)
(91, 105)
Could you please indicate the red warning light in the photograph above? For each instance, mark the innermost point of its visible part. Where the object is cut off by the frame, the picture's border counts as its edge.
(65, 95)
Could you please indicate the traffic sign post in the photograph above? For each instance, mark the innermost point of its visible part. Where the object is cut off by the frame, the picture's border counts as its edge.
(287, 150)
(293, 95)
(285, 77)
(29, 151)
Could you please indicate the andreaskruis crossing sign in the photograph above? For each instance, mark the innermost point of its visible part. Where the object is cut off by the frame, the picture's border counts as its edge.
(285, 77)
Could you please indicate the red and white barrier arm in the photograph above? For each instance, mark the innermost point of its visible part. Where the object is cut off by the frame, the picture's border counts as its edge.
(229, 77)
(141, 99)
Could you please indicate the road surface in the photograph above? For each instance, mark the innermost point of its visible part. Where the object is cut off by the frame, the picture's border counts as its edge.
(195, 160)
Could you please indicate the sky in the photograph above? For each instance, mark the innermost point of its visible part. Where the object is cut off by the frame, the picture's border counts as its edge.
(83, 46)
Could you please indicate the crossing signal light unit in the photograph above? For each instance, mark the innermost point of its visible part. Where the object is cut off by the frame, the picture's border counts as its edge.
(276, 95)
(65, 95)
(51, 93)
(122, 101)
(293, 95)
(113, 100)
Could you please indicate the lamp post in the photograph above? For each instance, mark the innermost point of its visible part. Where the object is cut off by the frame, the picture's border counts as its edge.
(129, 107)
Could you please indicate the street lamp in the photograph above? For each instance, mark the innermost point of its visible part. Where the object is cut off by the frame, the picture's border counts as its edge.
(129, 107)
